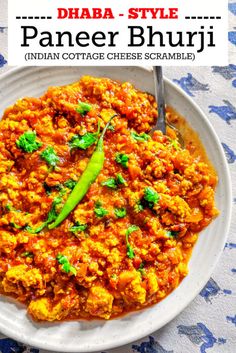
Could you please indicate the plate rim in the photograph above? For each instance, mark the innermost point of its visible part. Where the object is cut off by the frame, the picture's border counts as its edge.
(146, 330)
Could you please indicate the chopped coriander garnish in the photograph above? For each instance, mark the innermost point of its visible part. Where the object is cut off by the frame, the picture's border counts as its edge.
(131, 229)
(175, 144)
(8, 207)
(98, 203)
(78, 227)
(14, 225)
(111, 128)
(114, 182)
(141, 269)
(36, 230)
(83, 142)
(151, 196)
(27, 142)
(50, 156)
(47, 188)
(138, 207)
(66, 266)
(99, 210)
(140, 137)
(172, 233)
(122, 159)
(114, 276)
(27, 254)
(120, 212)
(83, 108)
(110, 183)
(70, 184)
(130, 251)
(120, 180)
(62, 192)
(52, 215)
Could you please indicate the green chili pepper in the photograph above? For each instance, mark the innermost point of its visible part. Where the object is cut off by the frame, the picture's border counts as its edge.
(88, 177)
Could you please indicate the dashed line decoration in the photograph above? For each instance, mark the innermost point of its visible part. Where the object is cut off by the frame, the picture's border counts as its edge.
(33, 17)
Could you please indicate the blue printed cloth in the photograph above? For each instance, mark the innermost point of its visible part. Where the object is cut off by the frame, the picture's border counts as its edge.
(208, 325)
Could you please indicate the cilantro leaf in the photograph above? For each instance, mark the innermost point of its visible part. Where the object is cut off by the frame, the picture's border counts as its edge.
(114, 182)
(122, 159)
(62, 259)
(175, 144)
(151, 196)
(138, 207)
(111, 128)
(8, 207)
(16, 226)
(131, 229)
(27, 254)
(83, 108)
(52, 215)
(47, 188)
(66, 266)
(73, 270)
(120, 180)
(36, 230)
(99, 210)
(78, 227)
(120, 212)
(110, 183)
(83, 142)
(98, 203)
(70, 184)
(130, 251)
(114, 276)
(141, 269)
(50, 156)
(172, 233)
(27, 142)
(140, 137)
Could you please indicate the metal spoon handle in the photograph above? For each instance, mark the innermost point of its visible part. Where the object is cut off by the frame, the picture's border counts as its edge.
(159, 94)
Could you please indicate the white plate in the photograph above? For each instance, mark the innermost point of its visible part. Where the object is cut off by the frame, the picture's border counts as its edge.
(102, 335)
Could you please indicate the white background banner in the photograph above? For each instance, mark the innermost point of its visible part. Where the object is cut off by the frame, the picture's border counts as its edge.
(118, 33)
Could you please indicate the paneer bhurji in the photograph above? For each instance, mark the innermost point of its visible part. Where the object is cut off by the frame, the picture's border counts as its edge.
(126, 242)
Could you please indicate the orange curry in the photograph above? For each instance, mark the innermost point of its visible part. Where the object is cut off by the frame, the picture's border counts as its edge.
(127, 243)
